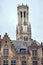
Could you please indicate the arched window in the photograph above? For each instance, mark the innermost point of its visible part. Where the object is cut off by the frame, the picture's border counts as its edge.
(21, 14)
(25, 38)
(24, 14)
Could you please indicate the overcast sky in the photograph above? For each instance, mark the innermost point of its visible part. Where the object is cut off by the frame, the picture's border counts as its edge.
(8, 17)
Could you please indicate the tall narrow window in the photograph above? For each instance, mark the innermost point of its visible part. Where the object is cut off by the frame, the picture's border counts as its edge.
(42, 51)
(5, 52)
(23, 62)
(21, 13)
(5, 62)
(25, 38)
(17, 31)
(42, 61)
(24, 14)
(13, 62)
(0, 46)
(34, 52)
(0, 61)
(28, 50)
(35, 63)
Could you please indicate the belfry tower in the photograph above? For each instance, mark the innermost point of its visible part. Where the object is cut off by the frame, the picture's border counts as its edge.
(23, 29)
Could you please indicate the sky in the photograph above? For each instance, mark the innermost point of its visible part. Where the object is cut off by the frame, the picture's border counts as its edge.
(9, 19)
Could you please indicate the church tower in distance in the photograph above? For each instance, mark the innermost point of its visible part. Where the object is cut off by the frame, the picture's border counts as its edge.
(23, 29)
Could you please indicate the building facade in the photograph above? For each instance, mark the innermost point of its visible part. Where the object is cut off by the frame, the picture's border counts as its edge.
(24, 50)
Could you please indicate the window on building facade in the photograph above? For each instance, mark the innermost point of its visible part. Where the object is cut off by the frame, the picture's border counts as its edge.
(21, 13)
(0, 61)
(25, 38)
(35, 63)
(5, 62)
(6, 52)
(24, 23)
(23, 62)
(42, 61)
(23, 51)
(34, 52)
(24, 14)
(17, 31)
(42, 51)
(6, 41)
(0, 46)
(28, 50)
(13, 62)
